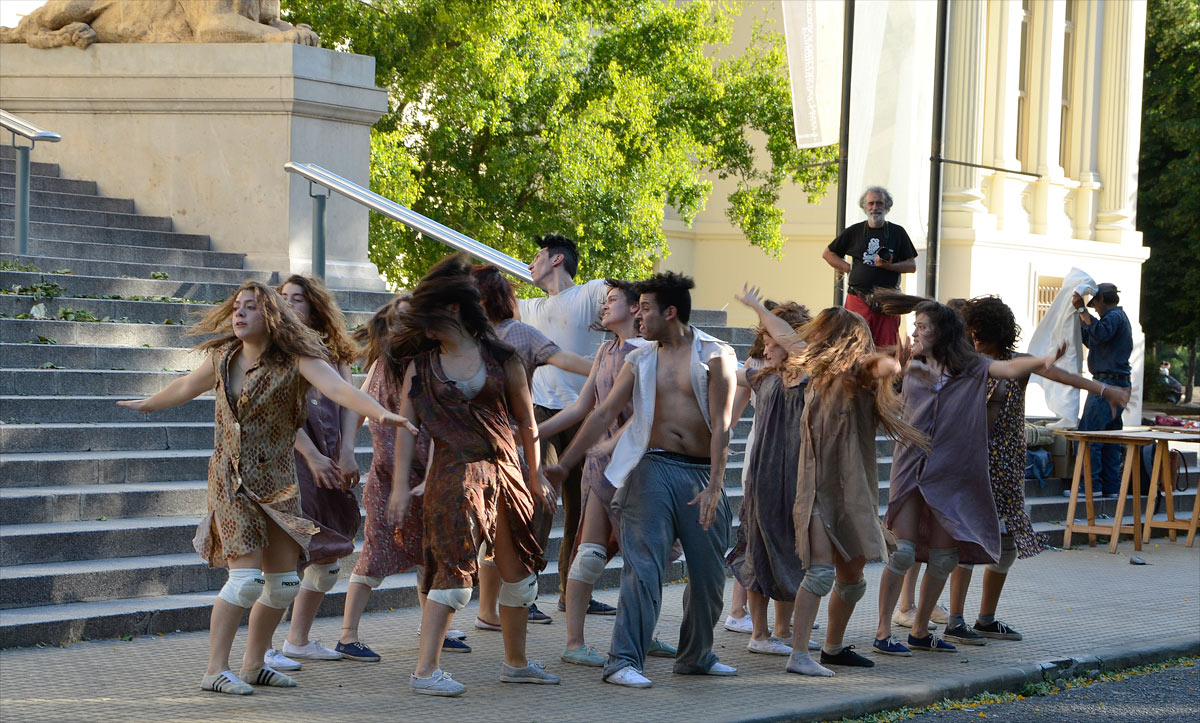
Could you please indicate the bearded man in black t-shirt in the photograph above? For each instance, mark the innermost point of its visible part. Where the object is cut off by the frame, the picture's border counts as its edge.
(879, 252)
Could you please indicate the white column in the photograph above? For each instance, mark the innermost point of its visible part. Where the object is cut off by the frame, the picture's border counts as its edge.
(1000, 114)
(1085, 121)
(966, 57)
(1046, 26)
(1120, 118)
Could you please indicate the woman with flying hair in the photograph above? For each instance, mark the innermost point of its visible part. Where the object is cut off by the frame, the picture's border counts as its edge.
(325, 470)
(260, 361)
(940, 505)
(463, 385)
(994, 331)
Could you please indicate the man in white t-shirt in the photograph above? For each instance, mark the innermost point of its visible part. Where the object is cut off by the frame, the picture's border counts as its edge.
(568, 315)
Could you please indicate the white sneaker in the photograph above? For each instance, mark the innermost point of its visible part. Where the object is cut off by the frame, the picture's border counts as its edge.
(770, 646)
(629, 678)
(904, 618)
(813, 645)
(739, 625)
(313, 651)
(939, 615)
(275, 659)
(452, 633)
(721, 669)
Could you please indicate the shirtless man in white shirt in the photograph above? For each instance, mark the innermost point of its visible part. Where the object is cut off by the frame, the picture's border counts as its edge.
(669, 468)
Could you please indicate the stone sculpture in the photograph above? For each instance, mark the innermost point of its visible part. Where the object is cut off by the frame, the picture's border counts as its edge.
(60, 23)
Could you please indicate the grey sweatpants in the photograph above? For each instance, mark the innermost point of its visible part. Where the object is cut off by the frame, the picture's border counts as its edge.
(654, 512)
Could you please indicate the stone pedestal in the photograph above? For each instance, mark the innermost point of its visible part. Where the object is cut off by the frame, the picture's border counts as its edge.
(200, 133)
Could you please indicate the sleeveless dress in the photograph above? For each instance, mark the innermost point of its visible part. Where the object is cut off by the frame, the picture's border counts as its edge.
(388, 550)
(594, 481)
(765, 560)
(334, 511)
(474, 470)
(1006, 466)
(953, 477)
(252, 471)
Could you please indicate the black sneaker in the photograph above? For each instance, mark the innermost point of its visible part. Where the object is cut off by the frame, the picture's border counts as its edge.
(997, 630)
(847, 657)
(595, 607)
(965, 635)
(930, 644)
(538, 617)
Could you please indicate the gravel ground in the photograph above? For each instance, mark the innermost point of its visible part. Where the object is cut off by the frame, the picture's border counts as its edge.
(1171, 696)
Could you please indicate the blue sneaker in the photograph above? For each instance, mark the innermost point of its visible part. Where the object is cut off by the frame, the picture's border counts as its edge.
(931, 643)
(891, 646)
(357, 651)
(453, 645)
(659, 649)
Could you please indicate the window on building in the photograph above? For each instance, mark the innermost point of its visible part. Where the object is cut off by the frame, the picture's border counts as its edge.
(1068, 85)
(1047, 288)
(1023, 88)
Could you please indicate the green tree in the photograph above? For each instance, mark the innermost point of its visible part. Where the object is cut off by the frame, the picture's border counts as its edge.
(1169, 175)
(512, 118)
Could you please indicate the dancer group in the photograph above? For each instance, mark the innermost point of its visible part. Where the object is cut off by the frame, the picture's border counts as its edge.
(630, 425)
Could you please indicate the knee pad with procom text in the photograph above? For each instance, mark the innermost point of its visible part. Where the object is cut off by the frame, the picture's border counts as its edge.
(320, 577)
(1008, 555)
(519, 594)
(904, 557)
(851, 593)
(281, 589)
(818, 580)
(243, 587)
(942, 561)
(589, 563)
(456, 598)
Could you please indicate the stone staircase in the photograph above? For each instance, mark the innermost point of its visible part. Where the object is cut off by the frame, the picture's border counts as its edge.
(98, 504)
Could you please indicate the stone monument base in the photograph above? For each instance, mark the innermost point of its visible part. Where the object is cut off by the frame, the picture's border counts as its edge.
(200, 133)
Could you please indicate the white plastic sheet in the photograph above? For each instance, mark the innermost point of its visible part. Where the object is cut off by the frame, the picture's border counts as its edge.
(1061, 323)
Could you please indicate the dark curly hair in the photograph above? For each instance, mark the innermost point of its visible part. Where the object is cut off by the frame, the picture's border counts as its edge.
(496, 293)
(448, 283)
(991, 321)
(670, 289)
(951, 348)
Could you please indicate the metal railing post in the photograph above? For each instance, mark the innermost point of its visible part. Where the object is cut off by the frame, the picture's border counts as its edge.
(318, 230)
(21, 207)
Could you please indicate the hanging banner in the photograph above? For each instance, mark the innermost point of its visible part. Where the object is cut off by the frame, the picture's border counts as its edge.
(813, 29)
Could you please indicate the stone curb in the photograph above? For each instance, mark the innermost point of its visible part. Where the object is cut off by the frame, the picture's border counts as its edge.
(1010, 679)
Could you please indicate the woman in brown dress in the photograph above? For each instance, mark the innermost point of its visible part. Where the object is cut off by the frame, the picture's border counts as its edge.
(463, 385)
(326, 472)
(940, 504)
(260, 362)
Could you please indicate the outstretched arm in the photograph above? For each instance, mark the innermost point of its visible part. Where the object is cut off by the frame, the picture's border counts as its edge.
(402, 456)
(326, 380)
(184, 389)
(569, 361)
(781, 331)
(1022, 367)
(1117, 397)
(593, 428)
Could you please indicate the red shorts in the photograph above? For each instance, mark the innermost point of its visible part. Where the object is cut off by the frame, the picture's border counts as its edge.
(885, 328)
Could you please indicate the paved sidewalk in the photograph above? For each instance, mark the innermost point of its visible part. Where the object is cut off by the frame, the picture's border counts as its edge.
(1083, 608)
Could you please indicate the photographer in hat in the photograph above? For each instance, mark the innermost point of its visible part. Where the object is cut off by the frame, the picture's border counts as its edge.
(1109, 340)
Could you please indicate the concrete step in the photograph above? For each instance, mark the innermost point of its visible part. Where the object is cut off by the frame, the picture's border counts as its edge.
(118, 271)
(8, 179)
(17, 409)
(146, 312)
(81, 217)
(121, 436)
(83, 333)
(36, 168)
(95, 539)
(23, 505)
(106, 235)
(72, 382)
(165, 257)
(65, 356)
(82, 201)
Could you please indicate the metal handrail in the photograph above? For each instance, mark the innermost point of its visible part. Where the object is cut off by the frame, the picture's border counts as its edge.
(21, 127)
(410, 218)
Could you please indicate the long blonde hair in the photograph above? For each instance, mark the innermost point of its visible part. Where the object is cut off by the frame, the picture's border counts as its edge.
(287, 336)
(841, 351)
(326, 317)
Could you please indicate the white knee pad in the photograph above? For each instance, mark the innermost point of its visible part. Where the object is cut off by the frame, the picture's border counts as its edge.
(320, 577)
(243, 587)
(589, 563)
(519, 594)
(851, 593)
(281, 589)
(818, 580)
(942, 561)
(1008, 555)
(456, 598)
(371, 582)
(903, 558)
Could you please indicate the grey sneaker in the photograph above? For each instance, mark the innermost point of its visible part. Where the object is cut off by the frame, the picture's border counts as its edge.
(583, 655)
(533, 673)
(440, 683)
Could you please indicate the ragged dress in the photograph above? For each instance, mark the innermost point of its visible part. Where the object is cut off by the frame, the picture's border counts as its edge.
(474, 471)
(612, 359)
(252, 471)
(335, 511)
(1006, 465)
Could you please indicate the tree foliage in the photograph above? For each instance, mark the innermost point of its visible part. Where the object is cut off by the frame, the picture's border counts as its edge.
(512, 118)
(1169, 172)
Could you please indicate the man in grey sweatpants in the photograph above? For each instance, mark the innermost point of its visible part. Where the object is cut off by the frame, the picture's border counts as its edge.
(669, 468)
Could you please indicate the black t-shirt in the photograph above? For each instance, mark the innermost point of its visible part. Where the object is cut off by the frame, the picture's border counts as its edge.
(863, 245)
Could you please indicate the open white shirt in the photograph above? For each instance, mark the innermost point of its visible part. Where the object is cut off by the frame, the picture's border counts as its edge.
(644, 361)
